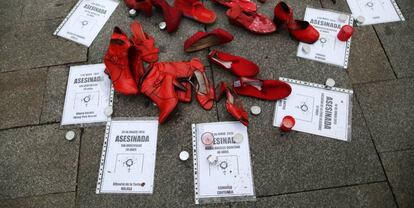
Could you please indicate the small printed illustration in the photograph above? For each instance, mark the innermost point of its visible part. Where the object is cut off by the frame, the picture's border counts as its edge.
(86, 100)
(326, 44)
(303, 109)
(129, 164)
(84, 24)
(371, 6)
(225, 166)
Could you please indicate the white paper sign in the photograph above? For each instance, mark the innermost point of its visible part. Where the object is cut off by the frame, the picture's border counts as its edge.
(328, 49)
(376, 11)
(88, 94)
(317, 110)
(128, 157)
(85, 20)
(222, 169)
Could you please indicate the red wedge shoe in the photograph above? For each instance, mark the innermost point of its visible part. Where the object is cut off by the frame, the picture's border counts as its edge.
(262, 89)
(201, 40)
(194, 9)
(233, 104)
(140, 5)
(237, 65)
(252, 21)
(283, 14)
(246, 5)
(303, 31)
(172, 17)
(159, 87)
(144, 43)
(117, 64)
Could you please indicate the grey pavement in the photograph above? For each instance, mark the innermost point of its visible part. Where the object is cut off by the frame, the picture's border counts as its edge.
(39, 168)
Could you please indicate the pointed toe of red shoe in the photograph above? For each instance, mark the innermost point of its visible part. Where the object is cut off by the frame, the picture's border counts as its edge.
(239, 66)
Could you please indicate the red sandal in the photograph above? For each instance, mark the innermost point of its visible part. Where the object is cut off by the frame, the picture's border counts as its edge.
(237, 65)
(194, 9)
(252, 21)
(246, 5)
(233, 104)
(202, 40)
(204, 89)
(262, 89)
(117, 64)
(140, 5)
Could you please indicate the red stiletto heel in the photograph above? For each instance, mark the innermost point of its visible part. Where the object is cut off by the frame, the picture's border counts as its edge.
(233, 104)
(262, 89)
(237, 65)
(140, 5)
(172, 16)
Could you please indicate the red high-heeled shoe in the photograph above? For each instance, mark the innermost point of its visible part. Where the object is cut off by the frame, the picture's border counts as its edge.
(117, 64)
(303, 31)
(172, 16)
(144, 43)
(140, 5)
(237, 65)
(233, 104)
(201, 40)
(252, 21)
(246, 5)
(283, 14)
(204, 89)
(262, 89)
(194, 9)
(159, 87)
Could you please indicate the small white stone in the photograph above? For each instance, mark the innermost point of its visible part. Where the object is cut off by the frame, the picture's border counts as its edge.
(184, 155)
(132, 13)
(330, 82)
(255, 110)
(212, 159)
(360, 19)
(108, 111)
(306, 49)
(162, 25)
(70, 135)
(238, 138)
(343, 17)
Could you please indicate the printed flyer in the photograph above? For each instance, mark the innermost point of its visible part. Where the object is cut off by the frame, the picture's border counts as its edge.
(376, 11)
(85, 20)
(222, 167)
(328, 49)
(128, 157)
(317, 110)
(88, 95)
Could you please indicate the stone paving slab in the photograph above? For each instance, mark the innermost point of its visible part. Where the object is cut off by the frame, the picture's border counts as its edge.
(63, 200)
(54, 95)
(397, 39)
(399, 167)
(371, 195)
(388, 108)
(173, 178)
(46, 9)
(21, 95)
(171, 45)
(32, 44)
(37, 161)
(10, 11)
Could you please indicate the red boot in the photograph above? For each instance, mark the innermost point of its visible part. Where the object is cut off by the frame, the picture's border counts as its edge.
(144, 43)
(262, 89)
(172, 16)
(233, 105)
(140, 5)
(117, 64)
(159, 87)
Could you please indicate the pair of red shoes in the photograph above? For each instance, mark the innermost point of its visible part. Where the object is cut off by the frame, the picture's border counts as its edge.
(125, 58)
(246, 84)
(298, 29)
